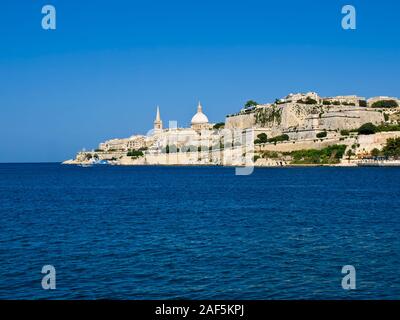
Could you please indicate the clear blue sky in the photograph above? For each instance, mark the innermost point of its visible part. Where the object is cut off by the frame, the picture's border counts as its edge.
(101, 74)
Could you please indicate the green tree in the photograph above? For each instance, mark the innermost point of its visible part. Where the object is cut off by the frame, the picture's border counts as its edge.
(219, 125)
(375, 152)
(388, 127)
(385, 104)
(134, 153)
(344, 132)
(362, 103)
(262, 137)
(250, 104)
(308, 100)
(283, 137)
(349, 154)
(322, 134)
(392, 147)
(367, 128)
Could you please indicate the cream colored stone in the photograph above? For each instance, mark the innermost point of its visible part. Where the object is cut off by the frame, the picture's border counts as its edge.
(301, 122)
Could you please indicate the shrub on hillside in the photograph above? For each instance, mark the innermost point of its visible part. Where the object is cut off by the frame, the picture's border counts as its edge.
(263, 138)
(375, 152)
(385, 104)
(250, 104)
(283, 137)
(328, 155)
(308, 100)
(270, 154)
(388, 127)
(344, 132)
(392, 147)
(367, 128)
(362, 103)
(134, 153)
(219, 125)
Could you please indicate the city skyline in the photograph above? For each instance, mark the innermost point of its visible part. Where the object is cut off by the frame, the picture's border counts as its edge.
(105, 68)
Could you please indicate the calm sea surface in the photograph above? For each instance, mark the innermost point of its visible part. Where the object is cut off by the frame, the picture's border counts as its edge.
(198, 232)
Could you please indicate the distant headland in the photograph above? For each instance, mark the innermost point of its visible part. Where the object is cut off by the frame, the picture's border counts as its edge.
(299, 129)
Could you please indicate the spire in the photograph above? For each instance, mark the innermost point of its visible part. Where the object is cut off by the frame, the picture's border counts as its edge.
(158, 119)
(158, 122)
(199, 107)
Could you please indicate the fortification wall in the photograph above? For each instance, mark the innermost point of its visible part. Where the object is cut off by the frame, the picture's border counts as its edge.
(289, 146)
(242, 121)
(369, 142)
(348, 118)
(234, 156)
(291, 116)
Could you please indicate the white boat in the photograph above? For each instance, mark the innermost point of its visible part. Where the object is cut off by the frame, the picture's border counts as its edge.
(85, 165)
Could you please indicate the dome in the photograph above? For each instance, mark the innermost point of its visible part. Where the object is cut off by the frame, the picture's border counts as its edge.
(199, 117)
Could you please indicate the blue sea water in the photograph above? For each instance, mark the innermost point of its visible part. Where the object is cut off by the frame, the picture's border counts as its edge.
(198, 232)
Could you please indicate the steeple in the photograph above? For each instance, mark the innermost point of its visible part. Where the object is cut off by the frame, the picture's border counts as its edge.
(158, 122)
(199, 107)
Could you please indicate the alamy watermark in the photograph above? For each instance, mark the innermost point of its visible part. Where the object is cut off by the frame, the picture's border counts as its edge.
(49, 280)
(228, 147)
(349, 21)
(49, 20)
(349, 280)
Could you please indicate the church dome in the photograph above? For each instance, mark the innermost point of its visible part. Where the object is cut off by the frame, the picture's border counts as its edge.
(199, 117)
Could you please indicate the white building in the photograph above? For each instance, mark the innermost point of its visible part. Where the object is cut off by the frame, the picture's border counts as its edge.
(200, 134)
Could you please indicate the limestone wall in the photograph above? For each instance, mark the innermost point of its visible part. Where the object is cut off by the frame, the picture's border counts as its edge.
(289, 146)
(240, 121)
(234, 156)
(378, 140)
(271, 163)
(347, 118)
(299, 117)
